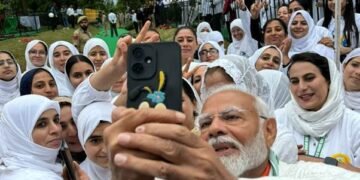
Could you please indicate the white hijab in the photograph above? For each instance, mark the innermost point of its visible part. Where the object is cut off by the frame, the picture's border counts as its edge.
(60, 77)
(93, 42)
(29, 64)
(279, 86)
(203, 36)
(10, 89)
(319, 123)
(310, 41)
(216, 36)
(18, 150)
(352, 98)
(214, 45)
(244, 76)
(86, 123)
(247, 45)
(256, 56)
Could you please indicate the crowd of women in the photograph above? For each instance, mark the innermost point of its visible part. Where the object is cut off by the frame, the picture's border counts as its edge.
(290, 63)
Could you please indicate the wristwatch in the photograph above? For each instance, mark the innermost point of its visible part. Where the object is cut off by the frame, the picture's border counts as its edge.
(331, 161)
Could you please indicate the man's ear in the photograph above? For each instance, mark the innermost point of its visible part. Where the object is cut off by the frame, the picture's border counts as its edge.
(270, 131)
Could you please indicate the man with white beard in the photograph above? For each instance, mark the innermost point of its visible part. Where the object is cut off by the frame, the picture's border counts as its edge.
(237, 129)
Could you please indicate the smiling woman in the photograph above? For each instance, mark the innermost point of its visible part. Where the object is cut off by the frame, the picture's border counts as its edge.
(32, 121)
(97, 51)
(36, 55)
(351, 75)
(77, 69)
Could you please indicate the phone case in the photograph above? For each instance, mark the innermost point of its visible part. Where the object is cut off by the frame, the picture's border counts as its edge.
(154, 75)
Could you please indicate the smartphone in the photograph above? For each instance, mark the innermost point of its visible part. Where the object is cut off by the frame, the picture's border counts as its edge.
(154, 76)
(67, 158)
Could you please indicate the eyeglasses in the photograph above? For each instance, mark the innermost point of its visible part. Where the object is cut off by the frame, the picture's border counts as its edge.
(8, 61)
(35, 52)
(211, 51)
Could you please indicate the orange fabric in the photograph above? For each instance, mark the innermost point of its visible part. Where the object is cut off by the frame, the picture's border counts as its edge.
(267, 170)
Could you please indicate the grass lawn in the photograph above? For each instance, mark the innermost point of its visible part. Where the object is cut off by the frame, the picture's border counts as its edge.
(17, 45)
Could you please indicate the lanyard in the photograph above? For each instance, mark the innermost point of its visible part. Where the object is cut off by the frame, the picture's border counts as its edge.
(319, 147)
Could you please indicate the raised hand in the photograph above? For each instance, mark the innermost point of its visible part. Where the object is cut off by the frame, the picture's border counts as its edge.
(255, 9)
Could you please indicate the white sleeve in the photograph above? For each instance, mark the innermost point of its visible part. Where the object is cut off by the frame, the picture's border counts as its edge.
(285, 146)
(355, 136)
(84, 95)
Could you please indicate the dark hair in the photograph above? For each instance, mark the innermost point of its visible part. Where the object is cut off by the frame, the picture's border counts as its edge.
(75, 59)
(282, 24)
(317, 60)
(349, 18)
(303, 3)
(27, 79)
(189, 91)
(45, 47)
(64, 104)
(185, 28)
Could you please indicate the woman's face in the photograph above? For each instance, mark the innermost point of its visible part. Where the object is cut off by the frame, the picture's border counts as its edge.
(283, 14)
(47, 130)
(274, 33)
(60, 56)
(79, 72)
(188, 44)
(43, 84)
(299, 27)
(331, 5)
(294, 6)
(197, 77)
(308, 86)
(69, 130)
(188, 109)
(37, 55)
(237, 33)
(7, 67)
(97, 56)
(217, 78)
(352, 75)
(269, 59)
(95, 146)
(208, 53)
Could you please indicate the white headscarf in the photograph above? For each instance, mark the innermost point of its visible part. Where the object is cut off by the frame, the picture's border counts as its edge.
(18, 149)
(310, 41)
(215, 45)
(86, 123)
(29, 64)
(279, 87)
(216, 36)
(256, 56)
(10, 89)
(60, 77)
(319, 123)
(69, 86)
(352, 98)
(244, 76)
(203, 36)
(247, 45)
(93, 42)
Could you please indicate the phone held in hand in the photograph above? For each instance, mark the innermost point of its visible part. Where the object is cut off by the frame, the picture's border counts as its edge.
(154, 76)
(67, 158)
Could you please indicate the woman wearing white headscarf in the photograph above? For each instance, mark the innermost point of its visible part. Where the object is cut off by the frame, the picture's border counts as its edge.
(316, 114)
(9, 82)
(216, 36)
(91, 118)
(279, 87)
(59, 53)
(210, 51)
(243, 44)
(202, 32)
(307, 37)
(351, 78)
(97, 51)
(267, 57)
(23, 155)
(36, 50)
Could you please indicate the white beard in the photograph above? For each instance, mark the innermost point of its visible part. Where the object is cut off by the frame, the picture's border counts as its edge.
(249, 157)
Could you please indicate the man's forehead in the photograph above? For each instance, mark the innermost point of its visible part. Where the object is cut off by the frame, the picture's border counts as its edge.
(234, 98)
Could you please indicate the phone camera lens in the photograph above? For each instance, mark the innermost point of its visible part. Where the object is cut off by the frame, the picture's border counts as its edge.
(138, 53)
(137, 68)
(148, 60)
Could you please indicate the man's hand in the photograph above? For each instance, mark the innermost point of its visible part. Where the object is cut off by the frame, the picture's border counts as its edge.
(241, 4)
(158, 132)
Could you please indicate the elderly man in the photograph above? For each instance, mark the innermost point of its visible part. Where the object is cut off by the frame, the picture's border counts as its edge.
(81, 35)
(237, 131)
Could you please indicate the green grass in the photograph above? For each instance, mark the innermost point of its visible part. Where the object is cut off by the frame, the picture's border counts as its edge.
(17, 45)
